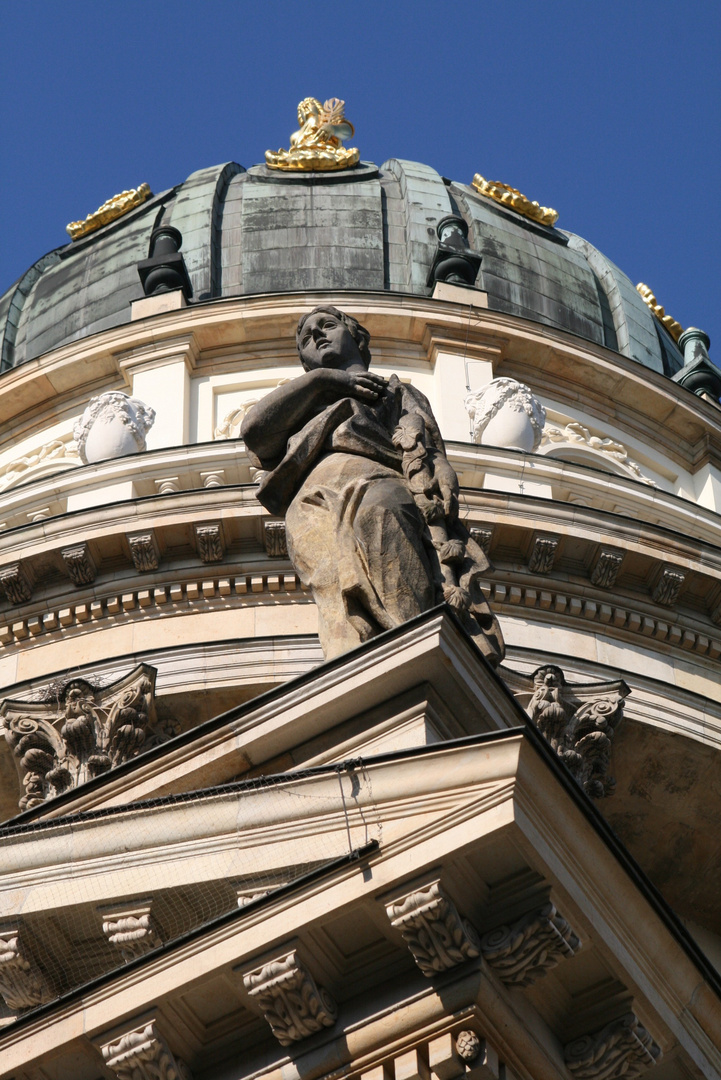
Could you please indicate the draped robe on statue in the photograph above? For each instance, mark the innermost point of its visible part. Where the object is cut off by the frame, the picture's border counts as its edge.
(355, 534)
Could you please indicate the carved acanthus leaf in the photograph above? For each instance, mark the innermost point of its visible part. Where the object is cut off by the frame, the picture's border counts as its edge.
(606, 568)
(543, 553)
(229, 427)
(22, 984)
(143, 1054)
(275, 541)
(578, 721)
(291, 1002)
(46, 459)
(436, 934)
(209, 539)
(84, 732)
(17, 583)
(79, 564)
(143, 551)
(668, 586)
(483, 538)
(576, 434)
(527, 949)
(622, 1049)
(131, 929)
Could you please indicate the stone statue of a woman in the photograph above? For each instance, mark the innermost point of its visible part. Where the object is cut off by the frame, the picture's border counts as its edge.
(357, 465)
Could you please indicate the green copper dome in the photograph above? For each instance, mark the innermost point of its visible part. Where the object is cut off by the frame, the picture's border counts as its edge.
(365, 228)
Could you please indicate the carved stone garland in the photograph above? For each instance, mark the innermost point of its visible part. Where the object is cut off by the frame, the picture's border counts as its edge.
(579, 723)
(433, 930)
(524, 951)
(291, 1002)
(622, 1049)
(143, 1054)
(22, 983)
(82, 734)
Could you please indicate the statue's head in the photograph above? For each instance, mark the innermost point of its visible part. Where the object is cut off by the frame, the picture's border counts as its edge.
(308, 107)
(327, 337)
(549, 675)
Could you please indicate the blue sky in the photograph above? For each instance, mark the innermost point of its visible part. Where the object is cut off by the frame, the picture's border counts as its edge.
(610, 113)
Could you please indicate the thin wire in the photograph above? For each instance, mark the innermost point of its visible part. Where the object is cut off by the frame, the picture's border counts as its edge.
(345, 808)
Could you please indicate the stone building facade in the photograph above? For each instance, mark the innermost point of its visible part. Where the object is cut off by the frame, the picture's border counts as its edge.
(226, 858)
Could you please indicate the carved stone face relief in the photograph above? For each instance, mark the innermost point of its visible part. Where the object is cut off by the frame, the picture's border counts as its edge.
(579, 722)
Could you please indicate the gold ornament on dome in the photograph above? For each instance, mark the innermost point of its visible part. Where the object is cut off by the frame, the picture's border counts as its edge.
(109, 211)
(675, 329)
(317, 145)
(512, 197)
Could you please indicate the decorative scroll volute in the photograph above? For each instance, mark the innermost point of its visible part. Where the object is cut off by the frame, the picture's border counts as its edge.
(131, 928)
(578, 721)
(143, 1054)
(84, 732)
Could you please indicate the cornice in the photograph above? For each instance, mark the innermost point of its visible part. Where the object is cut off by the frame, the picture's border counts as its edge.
(641, 400)
(560, 835)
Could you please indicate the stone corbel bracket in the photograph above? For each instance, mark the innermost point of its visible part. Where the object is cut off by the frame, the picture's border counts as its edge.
(543, 553)
(668, 586)
(432, 928)
(141, 1053)
(289, 998)
(144, 550)
(130, 928)
(528, 948)
(17, 581)
(606, 568)
(621, 1049)
(578, 721)
(22, 983)
(274, 539)
(210, 541)
(79, 564)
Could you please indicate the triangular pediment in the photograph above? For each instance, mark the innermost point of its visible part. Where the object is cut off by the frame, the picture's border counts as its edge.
(358, 860)
(419, 684)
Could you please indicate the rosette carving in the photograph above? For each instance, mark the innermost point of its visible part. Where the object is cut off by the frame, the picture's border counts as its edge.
(83, 732)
